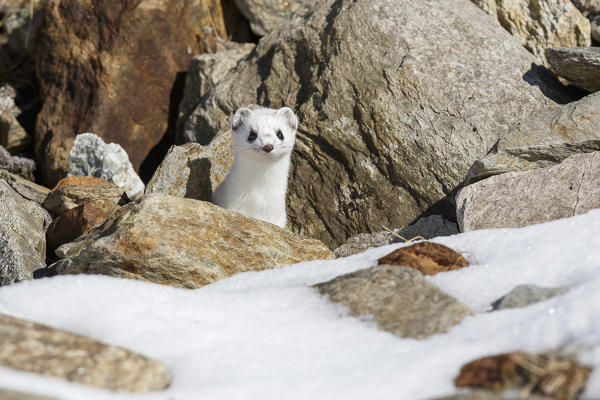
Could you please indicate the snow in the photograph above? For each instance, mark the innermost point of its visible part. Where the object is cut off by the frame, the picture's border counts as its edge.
(270, 335)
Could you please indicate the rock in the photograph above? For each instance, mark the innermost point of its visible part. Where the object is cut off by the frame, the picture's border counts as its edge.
(77, 221)
(550, 374)
(426, 227)
(524, 295)
(264, 15)
(120, 83)
(204, 73)
(540, 24)
(519, 199)
(11, 395)
(445, 94)
(22, 236)
(183, 242)
(591, 10)
(12, 135)
(26, 188)
(22, 166)
(579, 65)
(37, 348)
(90, 156)
(400, 299)
(544, 140)
(489, 395)
(428, 257)
(192, 170)
(69, 194)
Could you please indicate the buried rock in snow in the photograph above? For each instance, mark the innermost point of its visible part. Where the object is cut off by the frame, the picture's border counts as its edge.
(91, 156)
(399, 298)
(524, 295)
(183, 242)
(552, 374)
(33, 347)
(428, 257)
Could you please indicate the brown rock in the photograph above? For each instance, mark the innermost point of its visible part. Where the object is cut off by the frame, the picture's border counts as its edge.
(183, 242)
(399, 298)
(117, 75)
(75, 191)
(428, 257)
(78, 221)
(550, 374)
(32, 347)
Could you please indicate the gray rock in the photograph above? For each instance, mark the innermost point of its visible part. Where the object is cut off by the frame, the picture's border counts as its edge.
(264, 15)
(192, 170)
(22, 236)
(22, 166)
(579, 65)
(204, 73)
(544, 139)
(540, 24)
(426, 227)
(26, 188)
(380, 142)
(12, 395)
(183, 242)
(90, 156)
(517, 199)
(524, 295)
(12, 135)
(400, 299)
(37, 348)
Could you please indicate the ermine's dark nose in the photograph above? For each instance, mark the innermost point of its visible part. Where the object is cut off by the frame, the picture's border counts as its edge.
(268, 148)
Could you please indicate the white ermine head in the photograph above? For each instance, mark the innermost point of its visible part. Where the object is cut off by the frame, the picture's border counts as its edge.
(263, 133)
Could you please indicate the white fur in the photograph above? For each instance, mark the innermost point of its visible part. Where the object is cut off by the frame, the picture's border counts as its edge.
(257, 183)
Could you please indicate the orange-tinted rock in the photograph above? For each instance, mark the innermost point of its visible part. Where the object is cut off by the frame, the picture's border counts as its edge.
(428, 257)
(550, 374)
(78, 221)
(80, 181)
(114, 68)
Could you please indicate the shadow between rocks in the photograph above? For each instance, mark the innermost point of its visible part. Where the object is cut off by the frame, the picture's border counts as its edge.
(551, 86)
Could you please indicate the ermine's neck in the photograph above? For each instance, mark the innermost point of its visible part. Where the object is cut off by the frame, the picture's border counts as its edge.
(269, 174)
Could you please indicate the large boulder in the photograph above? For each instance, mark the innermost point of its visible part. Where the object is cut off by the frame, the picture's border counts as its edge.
(22, 236)
(544, 139)
(396, 99)
(517, 199)
(32, 347)
(539, 24)
(114, 67)
(579, 65)
(183, 242)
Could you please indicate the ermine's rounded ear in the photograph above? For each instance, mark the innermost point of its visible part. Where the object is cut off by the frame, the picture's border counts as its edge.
(290, 118)
(239, 118)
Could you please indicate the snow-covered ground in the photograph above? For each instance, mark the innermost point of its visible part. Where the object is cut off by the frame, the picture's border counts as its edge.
(269, 335)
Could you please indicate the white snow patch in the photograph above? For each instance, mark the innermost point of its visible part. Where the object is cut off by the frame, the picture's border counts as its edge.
(269, 335)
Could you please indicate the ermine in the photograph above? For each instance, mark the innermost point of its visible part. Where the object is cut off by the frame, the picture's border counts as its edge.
(263, 140)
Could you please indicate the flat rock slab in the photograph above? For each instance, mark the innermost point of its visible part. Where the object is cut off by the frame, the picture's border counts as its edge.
(18, 165)
(192, 170)
(183, 242)
(76, 191)
(25, 187)
(544, 139)
(524, 295)
(550, 374)
(426, 227)
(33, 347)
(579, 65)
(400, 299)
(22, 236)
(428, 257)
(519, 199)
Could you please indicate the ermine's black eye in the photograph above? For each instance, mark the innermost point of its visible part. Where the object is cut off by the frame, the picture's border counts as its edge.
(252, 136)
(280, 135)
